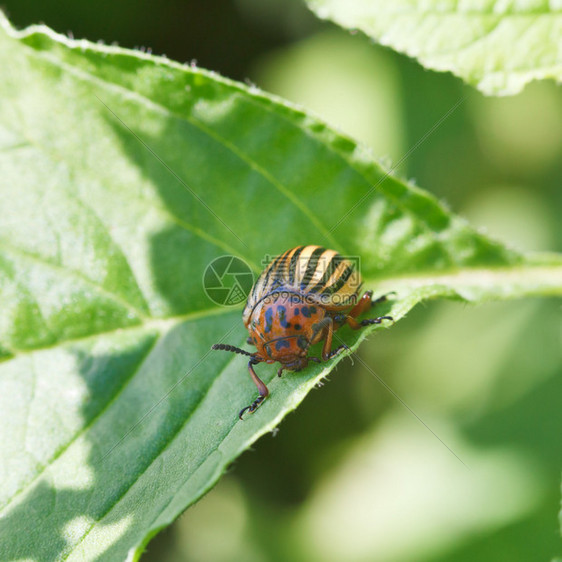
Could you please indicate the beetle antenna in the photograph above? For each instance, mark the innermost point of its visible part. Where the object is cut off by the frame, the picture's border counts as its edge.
(226, 347)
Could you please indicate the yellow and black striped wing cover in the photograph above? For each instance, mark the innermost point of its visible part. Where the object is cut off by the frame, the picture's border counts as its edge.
(323, 275)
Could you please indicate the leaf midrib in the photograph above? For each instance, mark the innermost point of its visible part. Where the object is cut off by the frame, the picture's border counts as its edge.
(161, 324)
(420, 279)
(457, 277)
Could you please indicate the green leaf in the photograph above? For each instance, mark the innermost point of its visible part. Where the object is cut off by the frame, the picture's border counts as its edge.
(123, 176)
(496, 46)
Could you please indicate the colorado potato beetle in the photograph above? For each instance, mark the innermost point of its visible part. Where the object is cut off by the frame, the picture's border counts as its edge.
(299, 299)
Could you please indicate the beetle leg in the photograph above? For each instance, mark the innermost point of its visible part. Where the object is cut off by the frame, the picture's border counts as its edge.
(264, 392)
(364, 304)
(280, 371)
(338, 350)
(328, 334)
(326, 326)
(383, 298)
(355, 325)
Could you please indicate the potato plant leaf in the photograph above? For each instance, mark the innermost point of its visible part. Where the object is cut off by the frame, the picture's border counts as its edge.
(123, 176)
(496, 46)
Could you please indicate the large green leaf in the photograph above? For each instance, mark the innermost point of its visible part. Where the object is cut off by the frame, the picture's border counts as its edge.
(123, 176)
(495, 46)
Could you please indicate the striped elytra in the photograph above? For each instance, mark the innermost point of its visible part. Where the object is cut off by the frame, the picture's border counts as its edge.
(301, 298)
(323, 275)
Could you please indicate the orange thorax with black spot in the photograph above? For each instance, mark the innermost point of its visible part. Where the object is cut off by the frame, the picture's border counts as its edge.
(282, 327)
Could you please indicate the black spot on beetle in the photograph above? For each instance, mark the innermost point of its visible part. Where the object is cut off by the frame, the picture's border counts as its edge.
(305, 311)
(297, 311)
(312, 310)
(280, 344)
(268, 320)
(297, 326)
(282, 313)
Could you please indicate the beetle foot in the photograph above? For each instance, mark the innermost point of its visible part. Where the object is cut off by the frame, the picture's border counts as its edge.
(252, 407)
(280, 371)
(381, 299)
(338, 350)
(378, 320)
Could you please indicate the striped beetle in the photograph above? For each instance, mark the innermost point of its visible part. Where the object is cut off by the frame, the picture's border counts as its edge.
(299, 299)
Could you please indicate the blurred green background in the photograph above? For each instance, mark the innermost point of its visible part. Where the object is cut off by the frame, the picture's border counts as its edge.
(352, 474)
